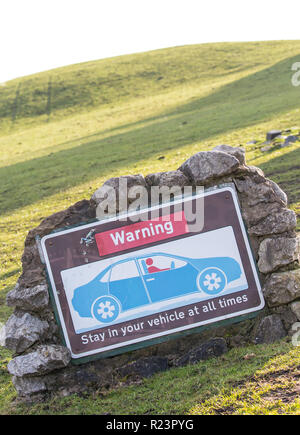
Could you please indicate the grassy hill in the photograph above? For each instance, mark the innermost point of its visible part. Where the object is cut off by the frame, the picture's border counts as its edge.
(63, 132)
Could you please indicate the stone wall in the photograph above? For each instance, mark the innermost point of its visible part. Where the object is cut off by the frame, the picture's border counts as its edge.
(41, 364)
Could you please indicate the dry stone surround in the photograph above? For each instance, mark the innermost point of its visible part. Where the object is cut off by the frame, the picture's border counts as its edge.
(41, 364)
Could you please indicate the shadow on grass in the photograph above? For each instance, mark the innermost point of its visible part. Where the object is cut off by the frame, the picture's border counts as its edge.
(285, 170)
(13, 272)
(245, 102)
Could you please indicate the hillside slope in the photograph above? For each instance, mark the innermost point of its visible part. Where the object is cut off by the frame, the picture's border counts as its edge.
(63, 132)
(55, 94)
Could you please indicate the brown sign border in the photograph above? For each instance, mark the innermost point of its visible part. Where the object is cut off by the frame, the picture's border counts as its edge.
(62, 250)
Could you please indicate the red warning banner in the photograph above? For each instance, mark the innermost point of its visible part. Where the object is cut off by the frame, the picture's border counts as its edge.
(141, 233)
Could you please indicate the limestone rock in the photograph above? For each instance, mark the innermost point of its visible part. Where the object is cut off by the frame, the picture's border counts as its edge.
(33, 270)
(118, 193)
(76, 379)
(44, 360)
(169, 179)
(205, 166)
(256, 190)
(272, 134)
(286, 314)
(290, 139)
(256, 213)
(29, 386)
(283, 221)
(32, 299)
(144, 367)
(270, 329)
(254, 243)
(2, 335)
(295, 307)
(279, 193)
(237, 152)
(164, 186)
(211, 348)
(255, 172)
(261, 201)
(282, 288)
(275, 253)
(22, 331)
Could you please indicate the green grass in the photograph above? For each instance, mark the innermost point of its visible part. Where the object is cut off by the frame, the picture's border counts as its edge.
(64, 132)
(273, 389)
(208, 387)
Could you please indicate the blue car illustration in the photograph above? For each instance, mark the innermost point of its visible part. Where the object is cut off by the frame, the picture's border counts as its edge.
(143, 280)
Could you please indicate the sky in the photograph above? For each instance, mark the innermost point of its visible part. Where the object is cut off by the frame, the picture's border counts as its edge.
(38, 35)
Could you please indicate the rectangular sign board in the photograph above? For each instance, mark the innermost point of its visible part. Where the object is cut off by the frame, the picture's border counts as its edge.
(150, 274)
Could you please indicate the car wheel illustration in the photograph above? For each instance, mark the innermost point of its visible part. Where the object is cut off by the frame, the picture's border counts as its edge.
(212, 280)
(105, 309)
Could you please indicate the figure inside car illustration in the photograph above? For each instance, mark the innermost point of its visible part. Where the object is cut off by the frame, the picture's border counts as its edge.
(153, 269)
